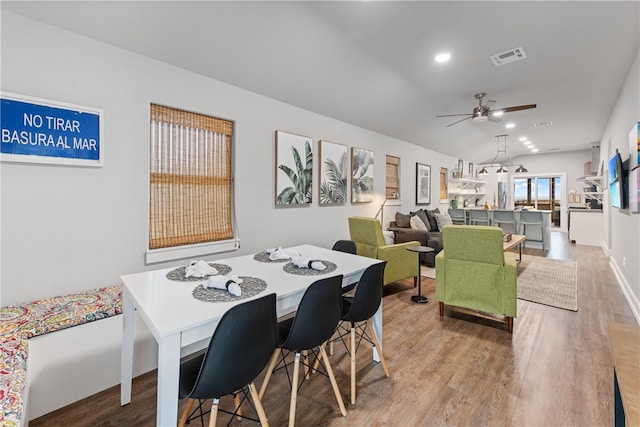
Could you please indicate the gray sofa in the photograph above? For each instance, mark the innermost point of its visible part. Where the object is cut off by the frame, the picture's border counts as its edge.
(433, 237)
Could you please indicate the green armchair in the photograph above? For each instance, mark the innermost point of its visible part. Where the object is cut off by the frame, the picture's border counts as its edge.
(474, 272)
(401, 263)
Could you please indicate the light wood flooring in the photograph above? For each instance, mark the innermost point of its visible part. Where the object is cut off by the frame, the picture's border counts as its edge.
(556, 369)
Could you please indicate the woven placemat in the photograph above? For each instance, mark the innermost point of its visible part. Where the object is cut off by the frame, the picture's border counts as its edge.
(250, 286)
(179, 273)
(292, 269)
(264, 257)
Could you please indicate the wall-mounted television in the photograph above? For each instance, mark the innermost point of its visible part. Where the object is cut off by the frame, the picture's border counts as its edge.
(617, 196)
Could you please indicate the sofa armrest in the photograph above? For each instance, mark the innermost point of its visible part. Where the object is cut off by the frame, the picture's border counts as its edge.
(403, 235)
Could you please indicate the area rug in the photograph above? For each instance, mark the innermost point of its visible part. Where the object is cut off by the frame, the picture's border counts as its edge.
(549, 281)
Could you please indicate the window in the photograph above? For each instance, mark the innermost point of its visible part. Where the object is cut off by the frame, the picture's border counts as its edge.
(392, 176)
(539, 192)
(444, 196)
(190, 184)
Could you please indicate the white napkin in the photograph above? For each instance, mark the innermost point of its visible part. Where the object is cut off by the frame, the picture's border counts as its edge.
(230, 283)
(279, 253)
(301, 262)
(199, 269)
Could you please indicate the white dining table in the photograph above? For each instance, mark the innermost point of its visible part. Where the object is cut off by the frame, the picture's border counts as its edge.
(177, 319)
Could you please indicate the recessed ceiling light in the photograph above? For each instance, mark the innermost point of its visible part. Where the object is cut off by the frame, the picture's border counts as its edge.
(510, 125)
(531, 147)
(443, 57)
(527, 142)
(498, 113)
(535, 150)
(522, 138)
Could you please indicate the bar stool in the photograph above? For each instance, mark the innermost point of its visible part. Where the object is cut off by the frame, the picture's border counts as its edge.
(458, 216)
(535, 219)
(505, 217)
(479, 217)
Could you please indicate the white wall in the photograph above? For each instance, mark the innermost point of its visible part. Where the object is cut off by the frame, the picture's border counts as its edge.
(622, 234)
(67, 229)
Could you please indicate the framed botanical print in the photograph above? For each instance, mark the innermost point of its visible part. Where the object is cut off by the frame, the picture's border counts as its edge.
(294, 169)
(361, 175)
(423, 184)
(334, 173)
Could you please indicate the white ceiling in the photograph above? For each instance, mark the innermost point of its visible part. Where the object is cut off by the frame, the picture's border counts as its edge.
(370, 63)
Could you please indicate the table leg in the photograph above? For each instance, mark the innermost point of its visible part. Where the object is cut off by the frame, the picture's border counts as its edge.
(168, 380)
(126, 353)
(419, 298)
(377, 328)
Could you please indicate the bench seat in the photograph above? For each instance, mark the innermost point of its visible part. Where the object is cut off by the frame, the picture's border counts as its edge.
(20, 322)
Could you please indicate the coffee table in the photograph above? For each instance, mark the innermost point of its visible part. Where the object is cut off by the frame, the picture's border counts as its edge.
(516, 240)
(420, 250)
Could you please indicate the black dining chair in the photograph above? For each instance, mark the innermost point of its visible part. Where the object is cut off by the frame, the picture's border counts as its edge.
(357, 312)
(313, 324)
(347, 246)
(238, 351)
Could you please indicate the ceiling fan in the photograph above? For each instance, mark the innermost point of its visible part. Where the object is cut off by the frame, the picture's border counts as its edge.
(484, 112)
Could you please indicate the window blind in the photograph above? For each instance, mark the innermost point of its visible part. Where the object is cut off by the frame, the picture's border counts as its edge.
(190, 178)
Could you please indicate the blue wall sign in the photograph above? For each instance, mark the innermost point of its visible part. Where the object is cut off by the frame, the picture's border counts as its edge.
(40, 131)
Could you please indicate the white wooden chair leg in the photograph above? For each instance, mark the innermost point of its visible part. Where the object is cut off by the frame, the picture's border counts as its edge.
(353, 364)
(258, 405)
(334, 384)
(267, 376)
(236, 404)
(294, 391)
(378, 348)
(213, 416)
(186, 412)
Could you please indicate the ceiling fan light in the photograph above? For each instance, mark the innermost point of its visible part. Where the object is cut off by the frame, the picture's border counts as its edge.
(480, 119)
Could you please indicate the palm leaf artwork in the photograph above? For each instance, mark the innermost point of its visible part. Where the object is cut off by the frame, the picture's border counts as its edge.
(301, 178)
(333, 188)
(362, 179)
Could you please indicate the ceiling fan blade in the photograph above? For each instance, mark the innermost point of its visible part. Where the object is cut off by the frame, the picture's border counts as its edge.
(453, 115)
(516, 108)
(461, 120)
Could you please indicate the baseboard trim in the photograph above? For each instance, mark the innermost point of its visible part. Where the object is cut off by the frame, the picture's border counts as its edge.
(631, 298)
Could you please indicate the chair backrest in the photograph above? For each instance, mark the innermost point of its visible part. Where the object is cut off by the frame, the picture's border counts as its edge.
(504, 216)
(479, 244)
(348, 246)
(368, 294)
(317, 316)
(240, 348)
(479, 214)
(367, 233)
(456, 213)
(529, 217)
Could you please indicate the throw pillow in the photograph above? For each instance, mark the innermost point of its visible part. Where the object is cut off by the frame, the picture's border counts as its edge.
(402, 220)
(442, 220)
(433, 224)
(417, 224)
(423, 216)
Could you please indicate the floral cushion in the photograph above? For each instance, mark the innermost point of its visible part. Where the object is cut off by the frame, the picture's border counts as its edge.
(52, 314)
(19, 322)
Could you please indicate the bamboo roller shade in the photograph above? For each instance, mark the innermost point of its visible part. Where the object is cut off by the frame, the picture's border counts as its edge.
(190, 178)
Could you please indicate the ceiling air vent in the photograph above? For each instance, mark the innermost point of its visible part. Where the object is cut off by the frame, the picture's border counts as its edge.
(509, 56)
